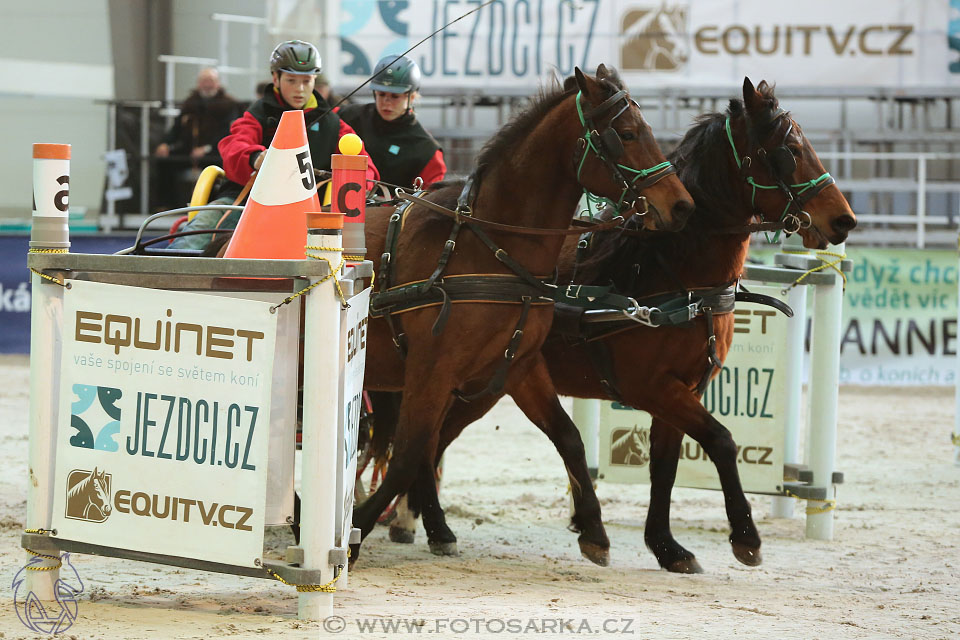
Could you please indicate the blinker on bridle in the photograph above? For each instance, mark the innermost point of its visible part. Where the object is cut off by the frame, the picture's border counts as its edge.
(608, 147)
(782, 165)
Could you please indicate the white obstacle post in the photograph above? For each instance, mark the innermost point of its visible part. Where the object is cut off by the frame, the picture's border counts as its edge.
(824, 384)
(783, 506)
(321, 406)
(48, 233)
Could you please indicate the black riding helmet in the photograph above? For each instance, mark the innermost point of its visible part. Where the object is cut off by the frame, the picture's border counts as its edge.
(295, 56)
(396, 74)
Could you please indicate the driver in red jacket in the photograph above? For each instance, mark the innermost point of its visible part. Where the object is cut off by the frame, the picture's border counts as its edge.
(294, 66)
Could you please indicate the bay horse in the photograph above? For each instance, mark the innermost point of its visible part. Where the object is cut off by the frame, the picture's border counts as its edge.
(752, 161)
(588, 135)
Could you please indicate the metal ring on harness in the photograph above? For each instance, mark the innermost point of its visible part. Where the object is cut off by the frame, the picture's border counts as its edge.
(791, 223)
(636, 206)
(418, 184)
(805, 219)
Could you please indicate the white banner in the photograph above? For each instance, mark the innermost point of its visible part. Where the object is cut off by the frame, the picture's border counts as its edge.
(747, 397)
(353, 355)
(164, 422)
(515, 43)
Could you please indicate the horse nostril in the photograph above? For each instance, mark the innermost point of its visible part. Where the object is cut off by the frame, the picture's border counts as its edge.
(844, 223)
(681, 211)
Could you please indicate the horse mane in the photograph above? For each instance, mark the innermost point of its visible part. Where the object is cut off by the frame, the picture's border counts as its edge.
(80, 486)
(702, 149)
(520, 124)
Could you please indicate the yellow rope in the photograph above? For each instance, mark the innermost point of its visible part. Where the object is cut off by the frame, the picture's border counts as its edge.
(312, 588)
(827, 264)
(43, 275)
(332, 274)
(42, 555)
(828, 505)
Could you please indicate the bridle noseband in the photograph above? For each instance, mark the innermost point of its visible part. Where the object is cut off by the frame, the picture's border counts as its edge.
(608, 147)
(781, 164)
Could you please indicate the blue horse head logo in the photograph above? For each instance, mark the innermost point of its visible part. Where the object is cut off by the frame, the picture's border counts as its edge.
(31, 610)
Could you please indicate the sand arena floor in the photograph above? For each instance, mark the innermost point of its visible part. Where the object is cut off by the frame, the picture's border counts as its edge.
(892, 571)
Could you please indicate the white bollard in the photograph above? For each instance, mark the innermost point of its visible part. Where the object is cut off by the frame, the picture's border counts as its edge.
(824, 386)
(783, 506)
(956, 417)
(48, 232)
(321, 407)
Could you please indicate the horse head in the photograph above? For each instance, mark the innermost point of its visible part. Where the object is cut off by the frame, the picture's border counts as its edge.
(101, 492)
(618, 157)
(783, 177)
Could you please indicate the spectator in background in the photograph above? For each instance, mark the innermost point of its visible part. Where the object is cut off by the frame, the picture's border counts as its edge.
(398, 144)
(191, 143)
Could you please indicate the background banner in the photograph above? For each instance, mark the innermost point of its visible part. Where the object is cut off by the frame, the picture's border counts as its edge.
(515, 43)
(900, 318)
(164, 422)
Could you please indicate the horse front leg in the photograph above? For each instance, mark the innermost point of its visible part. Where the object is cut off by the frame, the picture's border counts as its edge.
(679, 406)
(536, 396)
(665, 444)
(421, 414)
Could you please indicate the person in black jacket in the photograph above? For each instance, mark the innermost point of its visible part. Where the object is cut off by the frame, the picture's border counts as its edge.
(398, 144)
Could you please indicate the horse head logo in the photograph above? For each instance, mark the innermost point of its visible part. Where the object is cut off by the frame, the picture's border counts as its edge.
(88, 495)
(30, 609)
(630, 447)
(655, 39)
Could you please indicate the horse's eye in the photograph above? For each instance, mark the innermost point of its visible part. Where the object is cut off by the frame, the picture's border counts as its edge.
(628, 135)
(796, 151)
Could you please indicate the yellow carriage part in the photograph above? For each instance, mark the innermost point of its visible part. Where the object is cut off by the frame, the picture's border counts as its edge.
(201, 190)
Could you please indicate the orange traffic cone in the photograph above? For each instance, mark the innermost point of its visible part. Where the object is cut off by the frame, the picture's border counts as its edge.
(273, 224)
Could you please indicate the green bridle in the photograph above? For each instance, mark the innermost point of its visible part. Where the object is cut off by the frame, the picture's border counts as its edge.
(797, 194)
(601, 145)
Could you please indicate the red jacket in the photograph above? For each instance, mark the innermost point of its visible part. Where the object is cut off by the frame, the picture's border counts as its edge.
(254, 130)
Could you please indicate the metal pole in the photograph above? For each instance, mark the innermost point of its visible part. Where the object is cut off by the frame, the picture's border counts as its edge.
(783, 506)
(321, 407)
(144, 159)
(109, 220)
(921, 200)
(956, 418)
(824, 385)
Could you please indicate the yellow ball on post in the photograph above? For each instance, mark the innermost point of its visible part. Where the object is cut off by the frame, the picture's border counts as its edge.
(351, 144)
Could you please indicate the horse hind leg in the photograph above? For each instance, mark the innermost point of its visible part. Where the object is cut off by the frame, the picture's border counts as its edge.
(536, 396)
(665, 444)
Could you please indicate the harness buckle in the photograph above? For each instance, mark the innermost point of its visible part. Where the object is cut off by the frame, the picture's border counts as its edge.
(692, 311)
(449, 245)
(574, 288)
(418, 184)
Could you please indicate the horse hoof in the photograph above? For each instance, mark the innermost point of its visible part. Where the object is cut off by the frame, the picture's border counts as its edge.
(687, 565)
(401, 535)
(444, 548)
(595, 553)
(749, 556)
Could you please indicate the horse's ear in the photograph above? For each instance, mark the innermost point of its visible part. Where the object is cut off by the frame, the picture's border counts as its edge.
(752, 99)
(569, 83)
(581, 80)
(602, 71)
